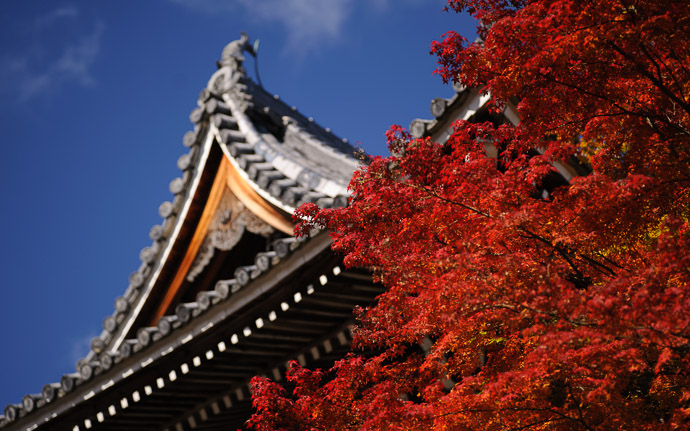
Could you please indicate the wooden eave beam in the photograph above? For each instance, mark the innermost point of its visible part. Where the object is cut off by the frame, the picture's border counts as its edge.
(169, 352)
(226, 176)
(255, 203)
(197, 240)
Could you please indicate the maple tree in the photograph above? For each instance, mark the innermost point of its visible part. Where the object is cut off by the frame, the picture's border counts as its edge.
(508, 307)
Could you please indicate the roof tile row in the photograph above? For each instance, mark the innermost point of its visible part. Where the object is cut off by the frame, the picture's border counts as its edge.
(211, 110)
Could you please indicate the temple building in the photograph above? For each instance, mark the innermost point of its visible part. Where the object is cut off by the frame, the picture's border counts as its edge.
(225, 291)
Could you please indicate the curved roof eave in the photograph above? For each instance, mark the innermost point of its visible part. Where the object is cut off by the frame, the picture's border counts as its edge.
(282, 179)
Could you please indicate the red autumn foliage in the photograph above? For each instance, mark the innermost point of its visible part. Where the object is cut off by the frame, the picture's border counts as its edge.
(505, 309)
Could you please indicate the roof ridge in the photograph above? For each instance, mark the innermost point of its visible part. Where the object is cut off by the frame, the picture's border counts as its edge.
(222, 109)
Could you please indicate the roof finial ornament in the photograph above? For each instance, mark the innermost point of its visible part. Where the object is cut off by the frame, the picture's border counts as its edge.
(232, 53)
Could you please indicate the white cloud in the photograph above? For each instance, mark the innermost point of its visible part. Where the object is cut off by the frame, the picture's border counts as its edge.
(80, 347)
(208, 6)
(308, 24)
(386, 4)
(30, 75)
(76, 59)
(48, 19)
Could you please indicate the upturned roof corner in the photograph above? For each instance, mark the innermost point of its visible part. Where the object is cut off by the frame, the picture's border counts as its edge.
(222, 265)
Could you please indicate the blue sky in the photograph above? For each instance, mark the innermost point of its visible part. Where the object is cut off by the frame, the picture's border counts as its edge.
(94, 101)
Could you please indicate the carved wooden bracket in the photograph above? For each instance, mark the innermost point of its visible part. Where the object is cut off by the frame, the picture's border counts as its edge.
(229, 223)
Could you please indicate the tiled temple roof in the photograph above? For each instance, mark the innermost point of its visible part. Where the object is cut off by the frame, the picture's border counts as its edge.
(464, 104)
(287, 158)
(284, 154)
(471, 104)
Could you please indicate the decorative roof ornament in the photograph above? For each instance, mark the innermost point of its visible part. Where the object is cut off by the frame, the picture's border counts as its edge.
(279, 159)
(231, 77)
(233, 56)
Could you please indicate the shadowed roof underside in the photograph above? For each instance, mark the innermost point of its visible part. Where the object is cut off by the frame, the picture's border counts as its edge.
(270, 159)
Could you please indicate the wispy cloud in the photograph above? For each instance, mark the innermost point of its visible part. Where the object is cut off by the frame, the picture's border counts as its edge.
(386, 4)
(46, 20)
(80, 347)
(32, 73)
(76, 59)
(208, 6)
(309, 24)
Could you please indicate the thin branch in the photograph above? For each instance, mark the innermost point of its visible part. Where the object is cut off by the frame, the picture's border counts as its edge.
(514, 409)
(566, 256)
(446, 200)
(660, 85)
(652, 56)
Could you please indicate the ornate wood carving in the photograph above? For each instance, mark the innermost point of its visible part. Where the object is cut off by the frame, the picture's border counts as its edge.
(229, 223)
(225, 216)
